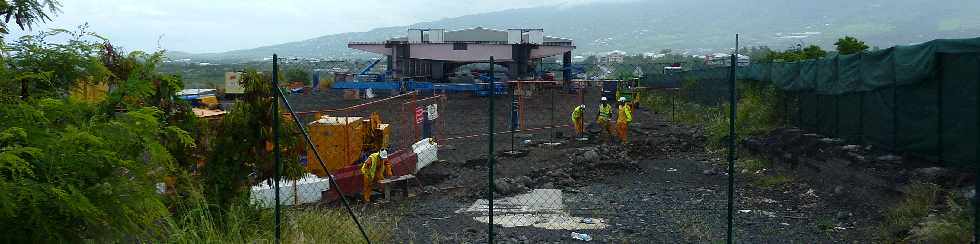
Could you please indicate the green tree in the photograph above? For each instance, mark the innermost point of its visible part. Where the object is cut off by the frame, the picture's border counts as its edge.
(68, 173)
(38, 64)
(242, 153)
(797, 54)
(297, 74)
(757, 54)
(26, 13)
(850, 45)
(813, 52)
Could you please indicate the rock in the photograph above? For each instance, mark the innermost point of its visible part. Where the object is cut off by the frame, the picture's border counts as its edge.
(838, 190)
(810, 193)
(888, 158)
(857, 157)
(710, 172)
(968, 192)
(567, 181)
(520, 189)
(930, 173)
(830, 140)
(551, 144)
(850, 148)
(523, 180)
(548, 185)
(503, 186)
(590, 156)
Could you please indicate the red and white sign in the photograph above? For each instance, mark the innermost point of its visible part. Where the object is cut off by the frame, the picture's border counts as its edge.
(418, 115)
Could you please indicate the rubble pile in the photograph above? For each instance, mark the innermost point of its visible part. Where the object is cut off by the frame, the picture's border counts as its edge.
(834, 158)
(663, 146)
(584, 165)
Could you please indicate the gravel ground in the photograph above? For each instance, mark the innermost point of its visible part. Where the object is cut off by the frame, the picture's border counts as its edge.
(662, 187)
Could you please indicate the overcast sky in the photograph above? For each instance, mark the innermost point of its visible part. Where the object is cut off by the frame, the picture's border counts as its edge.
(223, 25)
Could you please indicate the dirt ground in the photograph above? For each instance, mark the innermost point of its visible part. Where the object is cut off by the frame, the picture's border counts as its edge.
(661, 187)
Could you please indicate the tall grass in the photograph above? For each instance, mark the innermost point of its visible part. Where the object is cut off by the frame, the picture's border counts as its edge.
(197, 221)
(928, 215)
(756, 111)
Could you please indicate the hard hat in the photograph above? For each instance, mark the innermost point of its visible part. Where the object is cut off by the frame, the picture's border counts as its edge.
(622, 99)
(384, 154)
(583, 105)
(603, 98)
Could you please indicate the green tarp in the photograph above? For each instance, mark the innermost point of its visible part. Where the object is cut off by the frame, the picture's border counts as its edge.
(918, 100)
(868, 71)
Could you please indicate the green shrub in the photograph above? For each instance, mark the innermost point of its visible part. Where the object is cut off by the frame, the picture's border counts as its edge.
(955, 225)
(757, 111)
(67, 179)
(773, 181)
(918, 201)
(756, 114)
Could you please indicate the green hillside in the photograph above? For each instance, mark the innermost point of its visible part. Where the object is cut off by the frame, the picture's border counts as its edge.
(697, 26)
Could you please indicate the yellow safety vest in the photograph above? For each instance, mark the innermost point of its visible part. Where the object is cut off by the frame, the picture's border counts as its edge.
(370, 165)
(605, 111)
(625, 115)
(577, 113)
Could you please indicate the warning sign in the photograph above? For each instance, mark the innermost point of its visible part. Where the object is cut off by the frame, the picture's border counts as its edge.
(433, 110)
(418, 115)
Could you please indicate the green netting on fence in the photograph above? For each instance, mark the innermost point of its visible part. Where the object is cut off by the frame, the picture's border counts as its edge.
(901, 65)
(918, 100)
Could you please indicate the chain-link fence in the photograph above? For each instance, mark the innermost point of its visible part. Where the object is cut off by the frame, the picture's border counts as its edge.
(548, 181)
(825, 140)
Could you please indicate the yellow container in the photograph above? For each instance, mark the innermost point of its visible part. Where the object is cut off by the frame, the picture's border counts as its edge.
(87, 92)
(340, 141)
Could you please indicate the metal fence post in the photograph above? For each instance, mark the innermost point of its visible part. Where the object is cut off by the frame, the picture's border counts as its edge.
(513, 117)
(490, 158)
(673, 106)
(894, 109)
(333, 181)
(861, 118)
(275, 140)
(837, 116)
(837, 98)
(939, 107)
(861, 101)
(554, 128)
(976, 183)
(731, 146)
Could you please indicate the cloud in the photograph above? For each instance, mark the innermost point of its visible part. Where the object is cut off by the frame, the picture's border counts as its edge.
(222, 25)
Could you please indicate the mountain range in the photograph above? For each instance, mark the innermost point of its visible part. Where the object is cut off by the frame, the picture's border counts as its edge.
(692, 26)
